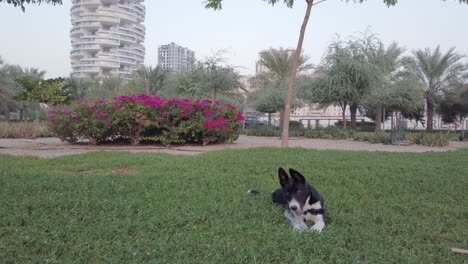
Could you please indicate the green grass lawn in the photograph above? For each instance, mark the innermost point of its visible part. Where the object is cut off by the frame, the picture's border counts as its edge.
(108, 207)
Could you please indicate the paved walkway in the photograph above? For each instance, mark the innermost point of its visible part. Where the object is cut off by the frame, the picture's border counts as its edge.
(53, 147)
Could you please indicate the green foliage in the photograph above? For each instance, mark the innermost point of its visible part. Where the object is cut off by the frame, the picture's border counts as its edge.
(152, 79)
(454, 105)
(271, 87)
(262, 131)
(345, 76)
(50, 91)
(279, 63)
(112, 207)
(208, 79)
(330, 133)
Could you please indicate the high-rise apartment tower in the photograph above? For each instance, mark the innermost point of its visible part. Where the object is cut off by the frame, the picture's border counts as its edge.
(107, 37)
(176, 58)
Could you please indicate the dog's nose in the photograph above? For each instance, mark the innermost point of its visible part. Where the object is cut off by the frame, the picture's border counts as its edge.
(293, 207)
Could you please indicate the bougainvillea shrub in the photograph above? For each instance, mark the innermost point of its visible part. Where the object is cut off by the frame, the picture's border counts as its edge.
(147, 118)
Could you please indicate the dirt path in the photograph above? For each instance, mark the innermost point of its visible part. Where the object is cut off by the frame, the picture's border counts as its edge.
(53, 147)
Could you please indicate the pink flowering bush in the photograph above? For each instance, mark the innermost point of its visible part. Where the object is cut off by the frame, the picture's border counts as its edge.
(147, 118)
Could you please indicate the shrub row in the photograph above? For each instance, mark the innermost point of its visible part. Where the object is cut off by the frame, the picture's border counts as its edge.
(147, 118)
(23, 130)
(420, 138)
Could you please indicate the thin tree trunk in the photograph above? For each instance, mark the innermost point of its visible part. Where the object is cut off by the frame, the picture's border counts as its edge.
(281, 114)
(430, 116)
(353, 110)
(269, 119)
(343, 106)
(343, 115)
(26, 113)
(292, 76)
(378, 120)
(21, 112)
(395, 131)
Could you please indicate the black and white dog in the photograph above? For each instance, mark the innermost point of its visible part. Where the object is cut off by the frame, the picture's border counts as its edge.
(299, 196)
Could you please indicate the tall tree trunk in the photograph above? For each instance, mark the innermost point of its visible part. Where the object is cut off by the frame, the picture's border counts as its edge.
(21, 114)
(292, 76)
(26, 113)
(430, 116)
(281, 118)
(343, 106)
(378, 119)
(343, 115)
(353, 110)
(269, 119)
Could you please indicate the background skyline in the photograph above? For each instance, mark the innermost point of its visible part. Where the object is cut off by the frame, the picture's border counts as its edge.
(40, 36)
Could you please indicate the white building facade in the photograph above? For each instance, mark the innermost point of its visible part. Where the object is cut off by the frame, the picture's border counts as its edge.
(176, 58)
(107, 37)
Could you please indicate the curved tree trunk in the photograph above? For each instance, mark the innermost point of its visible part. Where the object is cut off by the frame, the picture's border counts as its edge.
(292, 76)
(353, 111)
(378, 119)
(430, 116)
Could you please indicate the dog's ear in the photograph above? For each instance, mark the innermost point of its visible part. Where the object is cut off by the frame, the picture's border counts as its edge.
(297, 176)
(283, 176)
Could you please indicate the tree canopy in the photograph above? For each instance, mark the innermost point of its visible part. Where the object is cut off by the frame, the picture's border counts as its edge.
(217, 4)
(20, 3)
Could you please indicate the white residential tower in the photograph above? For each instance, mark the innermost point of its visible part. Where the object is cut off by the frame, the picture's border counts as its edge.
(107, 37)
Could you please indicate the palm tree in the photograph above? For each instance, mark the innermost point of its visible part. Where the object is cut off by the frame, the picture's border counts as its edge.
(151, 78)
(390, 60)
(436, 71)
(279, 63)
(10, 88)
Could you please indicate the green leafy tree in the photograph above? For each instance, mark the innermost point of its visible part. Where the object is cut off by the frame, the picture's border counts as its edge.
(51, 91)
(8, 88)
(438, 72)
(344, 77)
(208, 79)
(217, 4)
(454, 105)
(15, 73)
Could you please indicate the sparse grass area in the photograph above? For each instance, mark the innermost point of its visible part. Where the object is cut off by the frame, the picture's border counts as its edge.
(108, 207)
(24, 130)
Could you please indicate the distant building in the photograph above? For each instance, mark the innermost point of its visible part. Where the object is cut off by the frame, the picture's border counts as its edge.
(176, 58)
(107, 37)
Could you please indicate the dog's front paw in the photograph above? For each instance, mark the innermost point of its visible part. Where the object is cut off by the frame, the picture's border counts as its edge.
(318, 227)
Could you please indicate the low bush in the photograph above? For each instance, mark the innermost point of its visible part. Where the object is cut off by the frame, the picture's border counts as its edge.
(147, 118)
(23, 130)
(428, 139)
(360, 125)
(330, 133)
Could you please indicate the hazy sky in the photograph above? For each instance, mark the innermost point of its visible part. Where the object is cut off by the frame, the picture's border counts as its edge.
(40, 37)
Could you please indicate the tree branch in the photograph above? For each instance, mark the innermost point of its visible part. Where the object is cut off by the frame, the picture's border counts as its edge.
(319, 2)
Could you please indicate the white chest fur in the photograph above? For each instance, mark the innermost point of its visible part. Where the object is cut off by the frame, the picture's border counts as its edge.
(319, 224)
